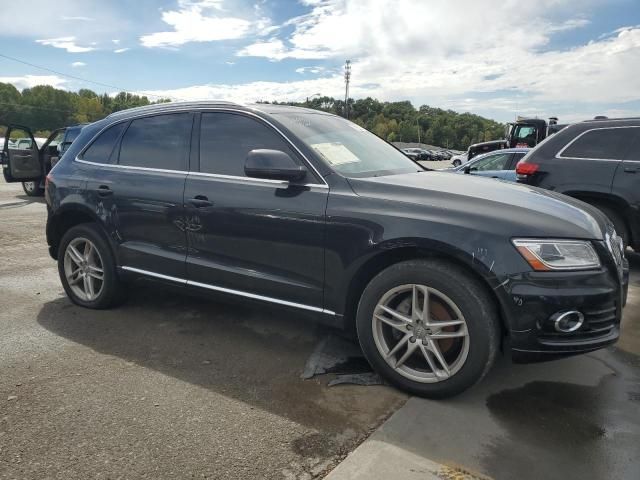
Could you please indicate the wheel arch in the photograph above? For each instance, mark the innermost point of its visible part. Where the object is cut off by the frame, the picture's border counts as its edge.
(387, 257)
(611, 201)
(65, 218)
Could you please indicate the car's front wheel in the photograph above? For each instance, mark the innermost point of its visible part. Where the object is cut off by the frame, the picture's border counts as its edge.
(457, 163)
(87, 268)
(33, 189)
(428, 327)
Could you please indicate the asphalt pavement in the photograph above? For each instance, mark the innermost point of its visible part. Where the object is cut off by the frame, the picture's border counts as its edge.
(167, 386)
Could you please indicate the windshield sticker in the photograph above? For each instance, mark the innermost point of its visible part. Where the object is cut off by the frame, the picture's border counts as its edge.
(335, 153)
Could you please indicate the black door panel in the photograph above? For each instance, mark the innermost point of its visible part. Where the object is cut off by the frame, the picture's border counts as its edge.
(145, 215)
(21, 160)
(257, 239)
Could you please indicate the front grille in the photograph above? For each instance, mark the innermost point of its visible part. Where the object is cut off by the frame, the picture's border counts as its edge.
(599, 321)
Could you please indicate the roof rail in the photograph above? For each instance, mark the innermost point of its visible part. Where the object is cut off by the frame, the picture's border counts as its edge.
(162, 106)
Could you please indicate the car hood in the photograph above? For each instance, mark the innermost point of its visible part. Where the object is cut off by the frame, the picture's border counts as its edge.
(489, 204)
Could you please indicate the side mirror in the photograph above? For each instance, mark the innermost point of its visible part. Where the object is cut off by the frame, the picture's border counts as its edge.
(273, 164)
(467, 170)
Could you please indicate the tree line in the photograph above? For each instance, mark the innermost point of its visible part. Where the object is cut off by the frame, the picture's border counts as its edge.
(44, 108)
(402, 122)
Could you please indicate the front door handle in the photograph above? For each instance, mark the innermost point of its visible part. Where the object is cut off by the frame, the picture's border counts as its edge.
(104, 190)
(200, 201)
(631, 169)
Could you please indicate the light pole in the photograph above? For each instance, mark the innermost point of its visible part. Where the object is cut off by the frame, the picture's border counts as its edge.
(418, 125)
(347, 78)
(314, 95)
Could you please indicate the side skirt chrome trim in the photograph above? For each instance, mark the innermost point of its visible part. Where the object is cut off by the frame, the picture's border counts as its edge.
(240, 293)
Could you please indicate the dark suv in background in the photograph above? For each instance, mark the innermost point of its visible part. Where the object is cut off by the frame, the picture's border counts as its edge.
(308, 211)
(598, 162)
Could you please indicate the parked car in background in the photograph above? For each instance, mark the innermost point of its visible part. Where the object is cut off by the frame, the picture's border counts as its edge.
(302, 209)
(459, 159)
(417, 153)
(596, 161)
(31, 164)
(498, 164)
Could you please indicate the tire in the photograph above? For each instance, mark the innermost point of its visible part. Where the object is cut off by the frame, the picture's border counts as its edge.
(457, 163)
(33, 189)
(618, 223)
(446, 283)
(110, 290)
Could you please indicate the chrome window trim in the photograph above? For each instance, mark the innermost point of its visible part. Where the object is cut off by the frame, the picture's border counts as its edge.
(560, 156)
(262, 182)
(201, 110)
(231, 291)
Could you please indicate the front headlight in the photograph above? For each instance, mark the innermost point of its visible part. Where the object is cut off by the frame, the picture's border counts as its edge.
(545, 255)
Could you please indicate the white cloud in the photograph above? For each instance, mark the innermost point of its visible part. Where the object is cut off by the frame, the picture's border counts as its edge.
(77, 18)
(67, 43)
(29, 81)
(78, 64)
(498, 56)
(314, 69)
(121, 50)
(197, 21)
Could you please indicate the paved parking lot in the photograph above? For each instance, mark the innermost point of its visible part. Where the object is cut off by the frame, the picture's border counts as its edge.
(175, 386)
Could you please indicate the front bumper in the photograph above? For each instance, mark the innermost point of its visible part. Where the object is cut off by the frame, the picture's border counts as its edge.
(530, 299)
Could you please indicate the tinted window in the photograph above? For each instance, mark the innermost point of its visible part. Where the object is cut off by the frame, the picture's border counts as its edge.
(608, 143)
(161, 141)
(226, 139)
(516, 158)
(492, 162)
(101, 149)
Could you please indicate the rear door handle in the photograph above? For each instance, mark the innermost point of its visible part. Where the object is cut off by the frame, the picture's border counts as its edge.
(631, 169)
(104, 191)
(200, 201)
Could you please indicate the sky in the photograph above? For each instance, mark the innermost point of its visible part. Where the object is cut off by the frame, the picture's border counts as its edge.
(497, 58)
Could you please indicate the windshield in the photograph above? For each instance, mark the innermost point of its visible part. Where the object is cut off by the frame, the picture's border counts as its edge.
(348, 148)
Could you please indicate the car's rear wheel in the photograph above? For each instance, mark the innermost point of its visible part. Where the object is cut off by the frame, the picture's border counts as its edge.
(32, 189)
(87, 268)
(457, 163)
(428, 327)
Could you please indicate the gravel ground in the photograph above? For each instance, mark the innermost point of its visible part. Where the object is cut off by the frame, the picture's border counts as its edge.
(167, 386)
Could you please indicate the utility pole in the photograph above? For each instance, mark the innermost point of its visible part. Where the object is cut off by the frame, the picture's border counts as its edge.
(347, 78)
(418, 125)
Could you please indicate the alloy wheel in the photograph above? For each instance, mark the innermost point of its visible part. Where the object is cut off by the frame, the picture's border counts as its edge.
(421, 333)
(83, 269)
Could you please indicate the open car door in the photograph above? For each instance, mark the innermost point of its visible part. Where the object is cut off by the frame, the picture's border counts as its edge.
(50, 151)
(20, 155)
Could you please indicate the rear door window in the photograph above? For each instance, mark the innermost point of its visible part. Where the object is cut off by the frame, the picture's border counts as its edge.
(101, 149)
(160, 142)
(493, 162)
(601, 143)
(226, 139)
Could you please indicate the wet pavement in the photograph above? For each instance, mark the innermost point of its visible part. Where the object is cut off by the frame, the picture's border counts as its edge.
(172, 385)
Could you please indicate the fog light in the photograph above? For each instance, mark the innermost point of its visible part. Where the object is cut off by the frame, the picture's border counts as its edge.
(567, 322)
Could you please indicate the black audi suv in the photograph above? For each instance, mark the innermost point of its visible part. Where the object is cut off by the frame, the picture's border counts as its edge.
(434, 273)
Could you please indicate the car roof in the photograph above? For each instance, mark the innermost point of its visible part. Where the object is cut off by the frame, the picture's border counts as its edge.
(173, 106)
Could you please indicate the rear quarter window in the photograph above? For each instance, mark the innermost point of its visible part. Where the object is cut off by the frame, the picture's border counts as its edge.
(601, 143)
(101, 149)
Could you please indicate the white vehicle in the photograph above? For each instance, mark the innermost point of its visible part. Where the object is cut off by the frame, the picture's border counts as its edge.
(458, 160)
